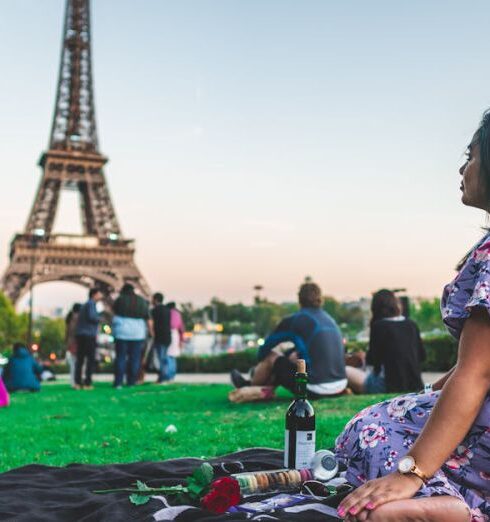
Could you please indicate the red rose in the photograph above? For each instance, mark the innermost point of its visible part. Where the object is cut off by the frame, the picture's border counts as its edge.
(224, 493)
(226, 485)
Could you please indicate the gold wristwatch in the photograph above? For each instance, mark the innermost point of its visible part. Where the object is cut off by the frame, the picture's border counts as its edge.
(407, 465)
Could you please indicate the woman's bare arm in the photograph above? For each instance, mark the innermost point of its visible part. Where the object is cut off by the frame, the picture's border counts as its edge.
(461, 398)
(439, 384)
(451, 419)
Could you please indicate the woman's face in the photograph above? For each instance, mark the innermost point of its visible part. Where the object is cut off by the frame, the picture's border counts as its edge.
(472, 186)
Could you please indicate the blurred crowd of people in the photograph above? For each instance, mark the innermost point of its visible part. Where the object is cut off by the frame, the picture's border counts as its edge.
(392, 363)
(142, 333)
(139, 330)
(147, 333)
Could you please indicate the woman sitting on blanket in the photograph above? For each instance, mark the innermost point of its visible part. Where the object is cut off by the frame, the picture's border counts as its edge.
(427, 456)
(395, 350)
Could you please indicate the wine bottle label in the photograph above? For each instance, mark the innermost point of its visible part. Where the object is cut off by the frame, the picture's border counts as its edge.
(303, 448)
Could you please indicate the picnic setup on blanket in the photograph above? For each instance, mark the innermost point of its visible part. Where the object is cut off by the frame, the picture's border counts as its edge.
(298, 483)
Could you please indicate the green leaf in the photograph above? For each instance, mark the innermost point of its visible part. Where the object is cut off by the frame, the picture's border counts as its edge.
(139, 500)
(194, 489)
(203, 475)
(142, 486)
(200, 480)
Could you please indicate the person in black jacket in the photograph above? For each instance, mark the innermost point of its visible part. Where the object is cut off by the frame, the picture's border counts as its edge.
(160, 315)
(395, 351)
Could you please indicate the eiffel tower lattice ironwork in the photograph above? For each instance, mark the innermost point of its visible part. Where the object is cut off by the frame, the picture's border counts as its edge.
(100, 255)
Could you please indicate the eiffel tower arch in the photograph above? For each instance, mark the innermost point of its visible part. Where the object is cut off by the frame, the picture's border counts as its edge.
(100, 255)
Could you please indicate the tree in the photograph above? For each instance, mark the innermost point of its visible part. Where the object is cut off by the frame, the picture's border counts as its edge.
(266, 317)
(12, 326)
(349, 317)
(427, 314)
(188, 315)
(51, 338)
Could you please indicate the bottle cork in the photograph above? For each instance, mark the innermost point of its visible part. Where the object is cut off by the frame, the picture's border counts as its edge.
(301, 366)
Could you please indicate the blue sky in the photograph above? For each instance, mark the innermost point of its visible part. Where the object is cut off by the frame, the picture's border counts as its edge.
(260, 141)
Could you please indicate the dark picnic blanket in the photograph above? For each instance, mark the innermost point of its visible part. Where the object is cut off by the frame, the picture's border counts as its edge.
(51, 494)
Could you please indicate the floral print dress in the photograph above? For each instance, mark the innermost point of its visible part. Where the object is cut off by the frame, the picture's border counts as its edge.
(378, 436)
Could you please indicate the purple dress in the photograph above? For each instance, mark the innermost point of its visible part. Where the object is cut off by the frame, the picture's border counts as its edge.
(378, 436)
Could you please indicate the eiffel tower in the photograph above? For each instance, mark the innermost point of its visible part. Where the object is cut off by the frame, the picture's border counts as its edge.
(100, 256)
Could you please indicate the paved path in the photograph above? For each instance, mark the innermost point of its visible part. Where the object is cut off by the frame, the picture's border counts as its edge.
(207, 378)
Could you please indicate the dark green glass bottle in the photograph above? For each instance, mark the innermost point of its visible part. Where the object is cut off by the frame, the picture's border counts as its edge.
(299, 446)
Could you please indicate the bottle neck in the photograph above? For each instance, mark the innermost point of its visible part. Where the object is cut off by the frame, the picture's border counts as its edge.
(301, 382)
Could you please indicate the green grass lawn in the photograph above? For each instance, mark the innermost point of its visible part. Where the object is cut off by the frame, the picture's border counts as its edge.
(59, 426)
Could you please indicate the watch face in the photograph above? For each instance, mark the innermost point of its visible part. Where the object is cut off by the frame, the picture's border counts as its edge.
(406, 464)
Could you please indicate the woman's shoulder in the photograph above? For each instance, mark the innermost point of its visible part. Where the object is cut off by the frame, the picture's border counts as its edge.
(481, 253)
(469, 289)
(398, 324)
(388, 322)
(411, 324)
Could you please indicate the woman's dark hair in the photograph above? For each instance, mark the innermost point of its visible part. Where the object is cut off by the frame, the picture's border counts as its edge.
(127, 288)
(93, 291)
(158, 297)
(384, 304)
(18, 346)
(310, 296)
(482, 138)
(74, 310)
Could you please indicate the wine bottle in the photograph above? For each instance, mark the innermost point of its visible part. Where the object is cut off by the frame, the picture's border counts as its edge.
(299, 446)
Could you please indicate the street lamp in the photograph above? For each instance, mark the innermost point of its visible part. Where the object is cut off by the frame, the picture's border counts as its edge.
(36, 236)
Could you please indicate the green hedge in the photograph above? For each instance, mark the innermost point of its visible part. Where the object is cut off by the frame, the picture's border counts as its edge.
(441, 353)
(441, 356)
(224, 362)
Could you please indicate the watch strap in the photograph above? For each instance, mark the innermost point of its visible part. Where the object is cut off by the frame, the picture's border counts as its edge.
(415, 470)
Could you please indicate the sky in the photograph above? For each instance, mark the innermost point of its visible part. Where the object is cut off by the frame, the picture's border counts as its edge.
(260, 141)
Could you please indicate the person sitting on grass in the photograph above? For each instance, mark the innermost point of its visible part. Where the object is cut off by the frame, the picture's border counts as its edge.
(426, 456)
(22, 372)
(395, 351)
(316, 338)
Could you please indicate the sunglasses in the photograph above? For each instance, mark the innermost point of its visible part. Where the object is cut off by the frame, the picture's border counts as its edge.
(319, 490)
(315, 488)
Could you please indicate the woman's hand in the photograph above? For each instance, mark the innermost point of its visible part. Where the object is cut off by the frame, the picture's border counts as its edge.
(376, 492)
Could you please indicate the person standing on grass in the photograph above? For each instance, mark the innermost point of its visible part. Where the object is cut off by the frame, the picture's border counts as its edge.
(86, 336)
(160, 315)
(177, 338)
(71, 322)
(130, 326)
